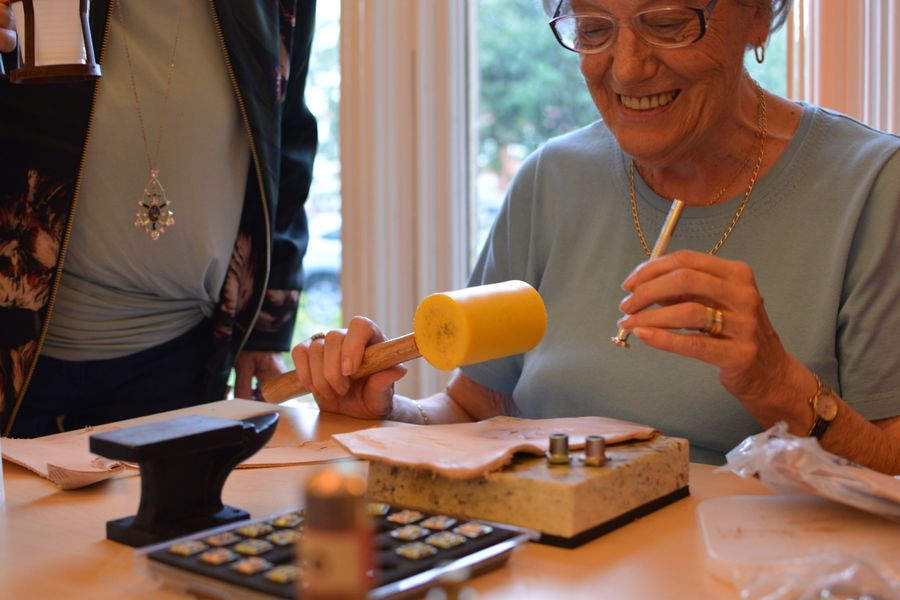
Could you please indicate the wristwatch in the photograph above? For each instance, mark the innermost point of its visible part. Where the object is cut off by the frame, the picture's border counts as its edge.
(825, 408)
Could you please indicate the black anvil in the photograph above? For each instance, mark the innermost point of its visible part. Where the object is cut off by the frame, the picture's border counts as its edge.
(184, 463)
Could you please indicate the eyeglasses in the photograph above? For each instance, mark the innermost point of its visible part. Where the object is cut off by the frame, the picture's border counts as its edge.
(661, 27)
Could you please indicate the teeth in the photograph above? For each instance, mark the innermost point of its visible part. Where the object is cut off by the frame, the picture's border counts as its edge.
(647, 102)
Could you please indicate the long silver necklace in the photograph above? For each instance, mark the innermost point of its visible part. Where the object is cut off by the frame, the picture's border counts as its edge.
(154, 213)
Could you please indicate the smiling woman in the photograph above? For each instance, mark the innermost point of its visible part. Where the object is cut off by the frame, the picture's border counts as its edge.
(766, 189)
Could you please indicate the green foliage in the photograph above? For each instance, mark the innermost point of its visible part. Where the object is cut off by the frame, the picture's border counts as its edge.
(531, 87)
(772, 73)
(324, 78)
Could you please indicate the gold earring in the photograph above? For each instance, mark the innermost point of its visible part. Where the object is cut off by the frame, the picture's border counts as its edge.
(760, 52)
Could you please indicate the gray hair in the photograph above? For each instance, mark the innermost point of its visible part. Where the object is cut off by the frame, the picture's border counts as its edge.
(779, 9)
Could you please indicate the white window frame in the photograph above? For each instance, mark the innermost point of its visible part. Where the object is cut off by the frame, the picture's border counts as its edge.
(403, 162)
(404, 136)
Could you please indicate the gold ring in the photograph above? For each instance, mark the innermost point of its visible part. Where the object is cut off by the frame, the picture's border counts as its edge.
(715, 321)
(317, 336)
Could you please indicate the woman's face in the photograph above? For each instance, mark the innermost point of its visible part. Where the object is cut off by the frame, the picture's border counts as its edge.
(667, 104)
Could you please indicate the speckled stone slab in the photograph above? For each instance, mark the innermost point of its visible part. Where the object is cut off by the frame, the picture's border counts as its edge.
(561, 501)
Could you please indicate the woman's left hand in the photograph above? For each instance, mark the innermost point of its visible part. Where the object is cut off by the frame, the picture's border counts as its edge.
(682, 291)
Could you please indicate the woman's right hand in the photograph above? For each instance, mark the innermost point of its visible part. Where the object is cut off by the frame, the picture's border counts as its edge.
(323, 366)
(7, 28)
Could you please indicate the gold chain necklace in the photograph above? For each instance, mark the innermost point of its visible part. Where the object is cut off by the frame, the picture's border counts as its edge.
(154, 212)
(734, 177)
(762, 133)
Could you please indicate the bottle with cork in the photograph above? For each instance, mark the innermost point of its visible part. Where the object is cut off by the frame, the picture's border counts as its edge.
(335, 550)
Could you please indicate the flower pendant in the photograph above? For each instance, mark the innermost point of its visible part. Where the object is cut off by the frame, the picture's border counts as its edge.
(154, 212)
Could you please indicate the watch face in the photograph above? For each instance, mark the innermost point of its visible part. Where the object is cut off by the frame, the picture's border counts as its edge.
(827, 406)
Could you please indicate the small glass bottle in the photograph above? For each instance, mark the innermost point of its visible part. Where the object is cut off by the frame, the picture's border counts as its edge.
(335, 550)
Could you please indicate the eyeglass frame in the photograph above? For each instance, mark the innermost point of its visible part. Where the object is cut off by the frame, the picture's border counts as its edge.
(704, 14)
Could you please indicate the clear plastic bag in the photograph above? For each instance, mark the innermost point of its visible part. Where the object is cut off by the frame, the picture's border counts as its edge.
(798, 465)
(830, 574)
(794, 466)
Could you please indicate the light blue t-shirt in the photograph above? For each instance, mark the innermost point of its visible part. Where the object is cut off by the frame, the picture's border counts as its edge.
(120, 291)
(821, 233)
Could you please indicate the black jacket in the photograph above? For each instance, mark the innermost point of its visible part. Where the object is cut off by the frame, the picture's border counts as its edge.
(43, 134)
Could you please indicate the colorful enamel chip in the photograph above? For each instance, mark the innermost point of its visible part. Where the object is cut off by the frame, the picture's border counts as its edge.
(288, 520)
(218, 556)
(474, 529)
(251, 566)
(188, 548)
(283, 574)
(445, 539)
(405, 517)
(439, 522)
(378, 509)
(409, 533)
(283, 537)
(223, 539)
(416, 551)
(255, 530)
(253, 547)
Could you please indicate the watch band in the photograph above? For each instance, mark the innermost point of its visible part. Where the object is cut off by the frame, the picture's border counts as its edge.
(818, 427)
(820, 421)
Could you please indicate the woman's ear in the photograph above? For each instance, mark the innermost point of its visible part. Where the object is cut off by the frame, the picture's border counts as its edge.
(760, 19)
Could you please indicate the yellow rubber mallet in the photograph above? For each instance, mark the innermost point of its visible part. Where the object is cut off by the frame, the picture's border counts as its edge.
(451, 329)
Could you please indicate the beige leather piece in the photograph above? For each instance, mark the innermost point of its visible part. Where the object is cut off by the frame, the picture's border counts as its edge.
(466, 450)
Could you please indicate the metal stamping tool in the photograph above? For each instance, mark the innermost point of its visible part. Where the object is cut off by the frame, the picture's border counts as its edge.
(662, 242)
(594, 451)
(559, 449)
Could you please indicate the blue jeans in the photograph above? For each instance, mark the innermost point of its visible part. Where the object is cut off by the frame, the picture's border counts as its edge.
(65, 395)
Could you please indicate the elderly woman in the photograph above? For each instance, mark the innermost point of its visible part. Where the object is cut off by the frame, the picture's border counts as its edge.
(784, 201)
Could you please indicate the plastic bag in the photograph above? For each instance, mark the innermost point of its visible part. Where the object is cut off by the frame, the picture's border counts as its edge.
(830, 574)
(798, 465)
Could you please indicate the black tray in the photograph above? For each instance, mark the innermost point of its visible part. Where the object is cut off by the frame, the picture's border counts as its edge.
(480, 546)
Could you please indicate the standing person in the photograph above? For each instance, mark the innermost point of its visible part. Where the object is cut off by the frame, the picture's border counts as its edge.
(151, 222)
(784, 200)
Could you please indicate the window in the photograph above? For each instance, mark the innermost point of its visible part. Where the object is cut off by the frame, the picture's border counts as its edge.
(845, 55)
(529, 90)
(320, 303)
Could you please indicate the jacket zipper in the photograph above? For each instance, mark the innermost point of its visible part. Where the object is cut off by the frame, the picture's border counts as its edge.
(67, 235)
(262, 189)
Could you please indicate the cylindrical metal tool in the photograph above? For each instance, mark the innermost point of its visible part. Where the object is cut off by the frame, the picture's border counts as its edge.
(558, 454)
(594, 451)
(659, 248)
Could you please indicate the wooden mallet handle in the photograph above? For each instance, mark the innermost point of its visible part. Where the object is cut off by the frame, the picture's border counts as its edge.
(377, 357)
(452, 329)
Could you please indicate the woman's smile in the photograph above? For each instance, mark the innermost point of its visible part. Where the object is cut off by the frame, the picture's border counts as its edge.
(646, 103)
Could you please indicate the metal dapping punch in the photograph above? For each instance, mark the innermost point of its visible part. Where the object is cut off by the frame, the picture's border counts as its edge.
(659, 248)
(558, 454)
(594, 451)
(451, 329)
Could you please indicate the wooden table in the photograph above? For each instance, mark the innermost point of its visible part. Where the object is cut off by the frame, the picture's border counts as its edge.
(52, 542)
